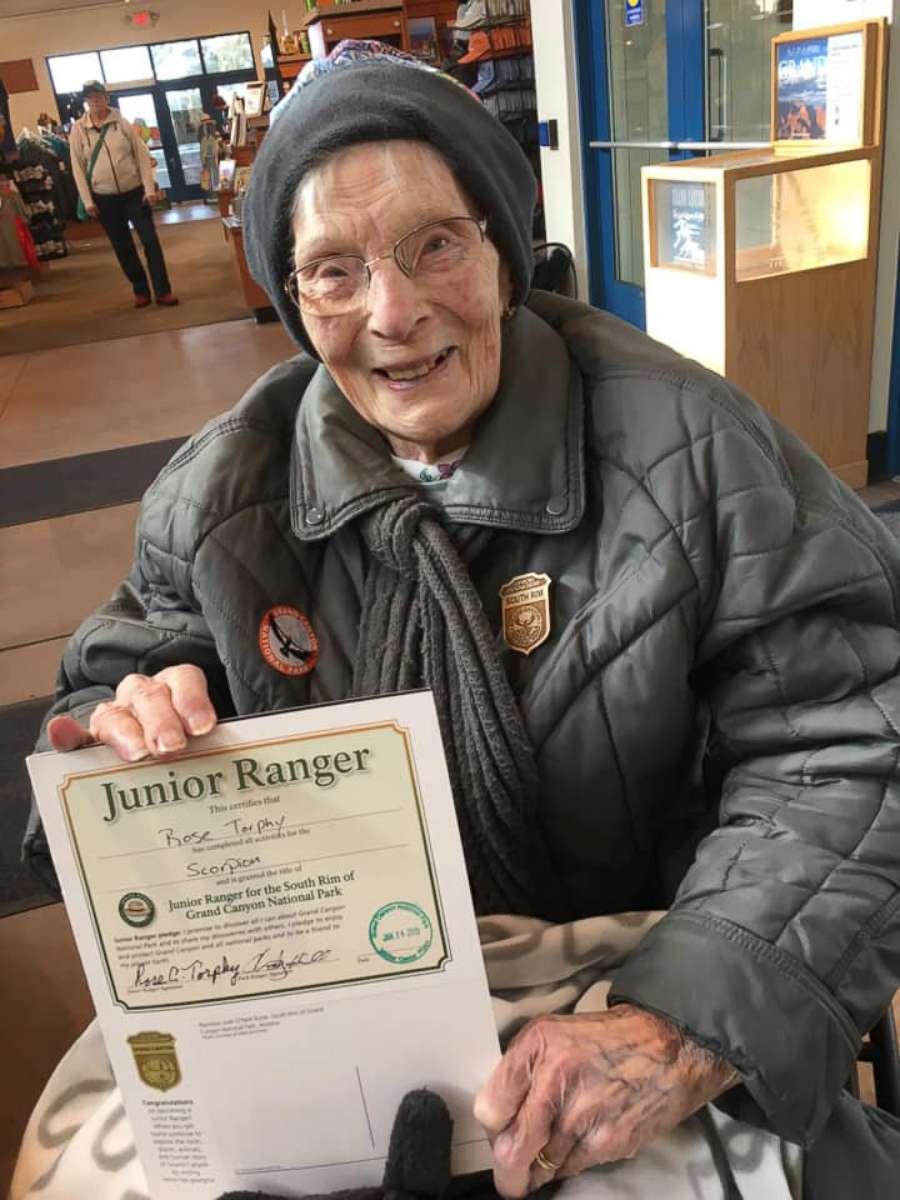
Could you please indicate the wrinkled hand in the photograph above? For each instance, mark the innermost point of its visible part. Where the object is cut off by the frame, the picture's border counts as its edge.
(590, 1089)
(151, 714)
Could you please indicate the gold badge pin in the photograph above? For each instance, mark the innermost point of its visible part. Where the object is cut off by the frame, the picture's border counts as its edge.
(525, 607)
(155, 1059)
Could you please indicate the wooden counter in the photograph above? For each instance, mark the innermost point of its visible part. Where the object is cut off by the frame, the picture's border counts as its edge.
(254, 297)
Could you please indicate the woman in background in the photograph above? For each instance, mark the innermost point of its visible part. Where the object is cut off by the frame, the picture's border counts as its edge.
(114, 174)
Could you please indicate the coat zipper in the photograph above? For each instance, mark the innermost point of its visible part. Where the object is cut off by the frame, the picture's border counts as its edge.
(112, 167)
(109, 156)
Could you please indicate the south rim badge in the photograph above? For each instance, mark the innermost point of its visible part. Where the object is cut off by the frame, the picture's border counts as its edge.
(525, 608)
(156, 1060)
(287, 640)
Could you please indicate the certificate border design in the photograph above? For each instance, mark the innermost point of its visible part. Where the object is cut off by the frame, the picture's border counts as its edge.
(440, 921)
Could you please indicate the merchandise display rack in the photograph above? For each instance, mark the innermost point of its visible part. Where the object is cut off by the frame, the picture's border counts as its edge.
(505, 74)
(35, 185)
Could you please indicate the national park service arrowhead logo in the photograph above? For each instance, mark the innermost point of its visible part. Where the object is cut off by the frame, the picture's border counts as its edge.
(525, 607)
(155, 1059)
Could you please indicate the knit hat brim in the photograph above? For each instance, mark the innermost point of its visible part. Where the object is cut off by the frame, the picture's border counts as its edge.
(368, 102)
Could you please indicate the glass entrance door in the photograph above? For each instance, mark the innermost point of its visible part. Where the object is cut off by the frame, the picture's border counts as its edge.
(140, 110)
(738, 52)
(172, 112)
(662, 79)
(173, 130)
(185, 109)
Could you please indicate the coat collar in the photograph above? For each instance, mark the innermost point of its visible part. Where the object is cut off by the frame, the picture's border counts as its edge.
(524, 469)
(111, 117)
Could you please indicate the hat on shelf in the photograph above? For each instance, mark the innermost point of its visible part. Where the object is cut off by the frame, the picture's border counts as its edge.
(498, 43)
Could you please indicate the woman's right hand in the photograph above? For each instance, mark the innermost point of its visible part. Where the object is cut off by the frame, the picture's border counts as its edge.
(92, 210)
(151, 714)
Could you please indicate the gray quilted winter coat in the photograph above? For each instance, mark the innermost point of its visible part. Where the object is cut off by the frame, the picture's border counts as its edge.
(716, 709)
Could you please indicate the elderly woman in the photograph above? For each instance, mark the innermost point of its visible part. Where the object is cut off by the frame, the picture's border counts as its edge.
(700, 708)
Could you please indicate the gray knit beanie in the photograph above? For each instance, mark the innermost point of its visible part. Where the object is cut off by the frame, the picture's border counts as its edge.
(369, 101)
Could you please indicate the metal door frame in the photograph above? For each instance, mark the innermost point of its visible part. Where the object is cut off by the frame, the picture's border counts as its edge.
(893, 415)
(177, 189)
(206, 85)
(686, 91)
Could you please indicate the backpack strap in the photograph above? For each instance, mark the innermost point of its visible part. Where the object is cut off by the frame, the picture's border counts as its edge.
(90, 171)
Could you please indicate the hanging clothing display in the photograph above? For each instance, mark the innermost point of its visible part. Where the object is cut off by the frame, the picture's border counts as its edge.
(497, 63)
(17, 249)
(38, 176)
(66, 193)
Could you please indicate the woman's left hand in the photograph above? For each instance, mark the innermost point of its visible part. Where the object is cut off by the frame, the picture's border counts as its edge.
(588, 1089)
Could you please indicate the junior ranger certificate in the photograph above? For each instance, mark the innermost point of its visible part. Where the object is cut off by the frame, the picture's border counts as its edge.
(279, 939)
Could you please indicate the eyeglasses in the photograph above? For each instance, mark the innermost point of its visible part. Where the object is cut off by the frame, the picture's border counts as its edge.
(435, 253)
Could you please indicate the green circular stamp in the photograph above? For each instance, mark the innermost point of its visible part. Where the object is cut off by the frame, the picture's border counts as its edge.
(136, 909)
(400, 932)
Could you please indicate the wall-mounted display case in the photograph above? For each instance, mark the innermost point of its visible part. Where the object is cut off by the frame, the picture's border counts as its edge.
(761, 264)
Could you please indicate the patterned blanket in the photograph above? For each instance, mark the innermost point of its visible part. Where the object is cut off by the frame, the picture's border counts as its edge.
(78, 1141)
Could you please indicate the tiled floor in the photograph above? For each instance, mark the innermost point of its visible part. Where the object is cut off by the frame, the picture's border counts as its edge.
(55, 404)
(186, 212)
(103, 395)
(58, 403)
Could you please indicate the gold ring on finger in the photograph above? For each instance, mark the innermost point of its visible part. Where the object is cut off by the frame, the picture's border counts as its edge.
(545, 1163)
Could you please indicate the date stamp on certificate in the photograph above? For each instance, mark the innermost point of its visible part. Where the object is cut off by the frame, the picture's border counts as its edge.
(400, 932)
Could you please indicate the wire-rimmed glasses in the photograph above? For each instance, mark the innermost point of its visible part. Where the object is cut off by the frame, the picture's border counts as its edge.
(437, 253)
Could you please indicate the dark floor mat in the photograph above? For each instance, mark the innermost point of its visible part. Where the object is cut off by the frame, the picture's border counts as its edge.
(86, 298)
(19, 726)
(61, 486)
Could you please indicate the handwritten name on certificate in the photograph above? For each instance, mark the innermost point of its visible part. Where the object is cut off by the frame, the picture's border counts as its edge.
(279, 939)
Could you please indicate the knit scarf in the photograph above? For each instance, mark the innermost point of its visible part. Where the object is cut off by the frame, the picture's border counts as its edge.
(423, 624)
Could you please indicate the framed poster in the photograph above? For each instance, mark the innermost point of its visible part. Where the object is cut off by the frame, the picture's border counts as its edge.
(819, 88)
(685, 225)
(423, 39)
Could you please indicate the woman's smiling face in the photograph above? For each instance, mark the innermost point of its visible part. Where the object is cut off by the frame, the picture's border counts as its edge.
(418, 358)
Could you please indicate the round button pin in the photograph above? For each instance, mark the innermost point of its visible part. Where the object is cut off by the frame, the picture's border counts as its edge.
(313, 516)
(556, 506)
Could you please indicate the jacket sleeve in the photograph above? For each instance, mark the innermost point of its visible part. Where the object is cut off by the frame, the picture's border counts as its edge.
(782, 946)
(77, 147)
(148, 624)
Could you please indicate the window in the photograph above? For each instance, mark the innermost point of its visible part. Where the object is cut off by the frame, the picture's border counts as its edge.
(164, 60)
(70, 72)
(126, 64)
(174, 60)
(228, 91)
(230, 52)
